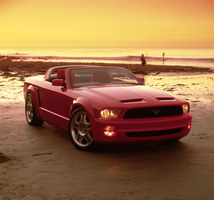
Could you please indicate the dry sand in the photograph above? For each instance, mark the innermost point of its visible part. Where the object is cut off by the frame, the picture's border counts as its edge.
(40, 163)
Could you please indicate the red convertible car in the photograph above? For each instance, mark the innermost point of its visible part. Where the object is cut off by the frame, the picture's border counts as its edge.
(104, 105)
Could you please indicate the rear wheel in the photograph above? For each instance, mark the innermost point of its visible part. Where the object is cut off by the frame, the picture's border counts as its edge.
(30, 112)
(80, 130)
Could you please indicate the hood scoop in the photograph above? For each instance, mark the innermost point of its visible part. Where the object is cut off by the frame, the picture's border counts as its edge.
(165, 98)
(131, 100)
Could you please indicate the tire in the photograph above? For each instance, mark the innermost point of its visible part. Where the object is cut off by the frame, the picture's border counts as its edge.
(30, 112)
(80, 130)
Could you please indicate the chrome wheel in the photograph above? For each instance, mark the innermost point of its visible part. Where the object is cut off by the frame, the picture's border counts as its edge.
(80, 130)
(30, 112)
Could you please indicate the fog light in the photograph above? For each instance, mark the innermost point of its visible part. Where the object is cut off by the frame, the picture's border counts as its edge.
(109, 131)
(189, 124)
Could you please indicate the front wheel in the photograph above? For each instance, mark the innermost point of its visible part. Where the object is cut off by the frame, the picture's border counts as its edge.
(30, 112)
(80, 130)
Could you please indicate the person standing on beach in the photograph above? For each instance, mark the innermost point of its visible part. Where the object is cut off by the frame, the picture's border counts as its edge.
(163, 57)
(143, 63)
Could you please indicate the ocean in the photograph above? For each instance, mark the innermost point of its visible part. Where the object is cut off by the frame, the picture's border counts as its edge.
(197, 57)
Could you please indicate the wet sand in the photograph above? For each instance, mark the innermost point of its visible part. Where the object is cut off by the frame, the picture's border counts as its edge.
(13, 67)
(41, 163)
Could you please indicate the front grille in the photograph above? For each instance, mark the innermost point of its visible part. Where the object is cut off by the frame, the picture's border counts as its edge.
(153, 133)
(151, 112)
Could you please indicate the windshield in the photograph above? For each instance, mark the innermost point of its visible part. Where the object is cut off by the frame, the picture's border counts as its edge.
(94, 76)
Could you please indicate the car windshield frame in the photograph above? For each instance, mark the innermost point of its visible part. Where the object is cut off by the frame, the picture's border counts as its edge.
(100, 76)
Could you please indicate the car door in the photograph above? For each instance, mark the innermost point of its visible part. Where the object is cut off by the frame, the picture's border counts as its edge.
(55, 104)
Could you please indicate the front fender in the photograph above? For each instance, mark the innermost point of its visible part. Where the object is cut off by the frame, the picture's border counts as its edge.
(87, 105)
(83, 103)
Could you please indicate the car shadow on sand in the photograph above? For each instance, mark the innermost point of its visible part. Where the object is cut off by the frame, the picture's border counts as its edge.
(54, 137)
(140, 147)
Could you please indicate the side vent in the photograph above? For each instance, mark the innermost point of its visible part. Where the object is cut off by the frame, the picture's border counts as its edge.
(38, 96)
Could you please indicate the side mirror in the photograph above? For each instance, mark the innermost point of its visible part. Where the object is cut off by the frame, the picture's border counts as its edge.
(57, 82)
(142, 80)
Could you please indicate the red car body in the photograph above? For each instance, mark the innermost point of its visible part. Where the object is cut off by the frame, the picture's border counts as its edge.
(142, 113)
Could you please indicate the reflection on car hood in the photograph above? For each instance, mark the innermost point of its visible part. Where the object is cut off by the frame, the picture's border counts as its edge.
(127, 94)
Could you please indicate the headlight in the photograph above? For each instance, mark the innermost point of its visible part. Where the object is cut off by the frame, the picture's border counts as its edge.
(109, 114)
(186, 108)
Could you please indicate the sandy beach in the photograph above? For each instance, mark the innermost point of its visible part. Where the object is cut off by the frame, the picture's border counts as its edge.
(41, 163)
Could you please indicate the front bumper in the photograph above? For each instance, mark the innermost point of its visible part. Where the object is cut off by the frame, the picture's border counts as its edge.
(139, 130)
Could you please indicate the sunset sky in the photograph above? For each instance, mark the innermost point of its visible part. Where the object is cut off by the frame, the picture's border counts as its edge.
(106, 23)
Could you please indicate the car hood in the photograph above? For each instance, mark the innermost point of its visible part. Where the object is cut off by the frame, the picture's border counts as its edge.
(112, 95)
